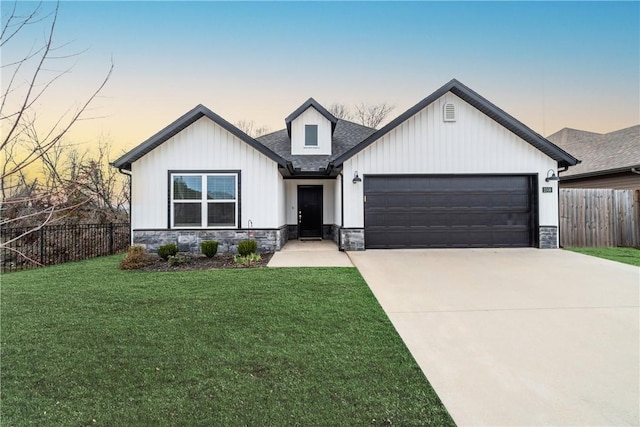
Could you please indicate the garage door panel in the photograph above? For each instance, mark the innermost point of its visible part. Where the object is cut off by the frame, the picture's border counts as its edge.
(458, 211)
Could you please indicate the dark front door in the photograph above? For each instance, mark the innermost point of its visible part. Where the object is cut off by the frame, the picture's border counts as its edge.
(310, 211)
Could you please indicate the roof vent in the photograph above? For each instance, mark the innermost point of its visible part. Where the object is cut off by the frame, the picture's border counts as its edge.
(449, 112)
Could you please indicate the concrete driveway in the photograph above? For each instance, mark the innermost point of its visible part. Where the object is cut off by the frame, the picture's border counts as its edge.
(517, 337)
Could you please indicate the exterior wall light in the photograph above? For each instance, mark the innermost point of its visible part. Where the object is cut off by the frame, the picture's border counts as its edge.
(551, 176)
(356, 178)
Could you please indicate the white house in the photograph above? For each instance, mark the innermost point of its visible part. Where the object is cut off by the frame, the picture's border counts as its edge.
(452, 171)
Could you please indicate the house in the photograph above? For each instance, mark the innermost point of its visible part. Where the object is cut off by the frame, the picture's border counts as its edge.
(610, 160)
(454, 170)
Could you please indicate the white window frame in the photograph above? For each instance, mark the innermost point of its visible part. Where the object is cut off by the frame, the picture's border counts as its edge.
(204, 201)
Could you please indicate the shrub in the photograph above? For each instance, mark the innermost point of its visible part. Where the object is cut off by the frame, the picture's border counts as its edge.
(175, 260)
(209, 248)
(247, 259)
(246, 247)
(135, 258)
(165, 251)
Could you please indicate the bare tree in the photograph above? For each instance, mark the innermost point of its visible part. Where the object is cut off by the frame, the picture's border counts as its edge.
(340, 111)
(372, 115)
(27, 141)
(249, 127)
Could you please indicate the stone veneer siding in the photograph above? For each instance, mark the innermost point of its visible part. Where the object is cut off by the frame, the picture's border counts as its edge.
(269, 240)
(352, 239)
(548, 237)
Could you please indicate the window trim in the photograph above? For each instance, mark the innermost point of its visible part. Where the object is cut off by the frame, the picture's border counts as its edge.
(204, 201)
(317, 144)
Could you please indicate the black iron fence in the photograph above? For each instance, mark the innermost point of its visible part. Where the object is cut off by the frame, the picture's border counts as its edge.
(55, 244)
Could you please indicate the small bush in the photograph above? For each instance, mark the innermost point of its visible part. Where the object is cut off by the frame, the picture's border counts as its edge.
(247, 259)
(246, 247)
(165, 251)
(175, 260)
(136, 258)
(209, 248)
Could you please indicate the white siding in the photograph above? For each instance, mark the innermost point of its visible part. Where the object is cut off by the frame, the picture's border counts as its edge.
(328, 199)
(311, 116)
(473, 144)
(206, 146)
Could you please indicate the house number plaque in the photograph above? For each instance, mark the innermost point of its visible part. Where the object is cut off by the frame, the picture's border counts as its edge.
(547, 189)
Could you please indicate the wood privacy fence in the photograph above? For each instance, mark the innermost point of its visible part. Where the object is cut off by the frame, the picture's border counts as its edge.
(599, 217)
(54, 244)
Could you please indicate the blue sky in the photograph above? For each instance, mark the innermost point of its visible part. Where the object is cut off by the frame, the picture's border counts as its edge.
(550, 64)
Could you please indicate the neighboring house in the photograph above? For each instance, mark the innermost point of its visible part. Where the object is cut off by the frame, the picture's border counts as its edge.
(452, 171)
(610, 160)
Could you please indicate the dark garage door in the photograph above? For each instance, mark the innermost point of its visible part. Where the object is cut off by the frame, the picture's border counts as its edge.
(449, 211)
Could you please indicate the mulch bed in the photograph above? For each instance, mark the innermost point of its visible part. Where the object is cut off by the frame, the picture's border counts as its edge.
(219, 261)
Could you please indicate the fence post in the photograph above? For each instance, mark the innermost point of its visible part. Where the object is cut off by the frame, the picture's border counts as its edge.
(42, 245)
(110, 238)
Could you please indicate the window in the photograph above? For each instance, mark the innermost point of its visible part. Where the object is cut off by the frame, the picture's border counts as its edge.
(311, 135)
(204, 200)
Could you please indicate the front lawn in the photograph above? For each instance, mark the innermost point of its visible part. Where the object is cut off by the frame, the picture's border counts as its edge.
(87, 344)
(625, 255)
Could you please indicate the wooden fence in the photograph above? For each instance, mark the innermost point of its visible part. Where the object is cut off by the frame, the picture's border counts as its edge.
(599, 217)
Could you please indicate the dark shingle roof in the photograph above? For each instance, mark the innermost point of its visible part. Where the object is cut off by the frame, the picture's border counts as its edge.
(600, 153)
(346, 135)
(454, 86)
(124, 161)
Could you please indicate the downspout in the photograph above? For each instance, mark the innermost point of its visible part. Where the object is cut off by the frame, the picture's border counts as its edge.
(341, 212)
(123, 172)
(564, 169)
(635, 170)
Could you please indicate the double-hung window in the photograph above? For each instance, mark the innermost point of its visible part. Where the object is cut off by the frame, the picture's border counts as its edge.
(204, 200)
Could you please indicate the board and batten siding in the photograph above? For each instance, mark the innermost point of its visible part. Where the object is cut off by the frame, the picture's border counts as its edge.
(311, 116)
(206, 146)
(473, 144)
(328, 199)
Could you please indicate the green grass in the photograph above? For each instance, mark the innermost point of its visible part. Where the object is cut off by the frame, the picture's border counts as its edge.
(85, 341)
(625, 255)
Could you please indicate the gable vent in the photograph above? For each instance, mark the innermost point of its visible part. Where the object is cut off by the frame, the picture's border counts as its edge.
(449, 112)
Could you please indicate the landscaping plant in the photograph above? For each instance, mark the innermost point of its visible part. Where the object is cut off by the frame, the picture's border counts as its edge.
(209, 248)
(246, 247)
(165, 251)
(136, 258)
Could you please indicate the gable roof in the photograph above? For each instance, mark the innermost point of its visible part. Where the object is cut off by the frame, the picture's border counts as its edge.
(124, 162)
(301, 109)
(611, 152)
(346, 136)
(563, 158)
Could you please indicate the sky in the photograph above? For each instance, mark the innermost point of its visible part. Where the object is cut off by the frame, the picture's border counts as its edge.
(549, 64)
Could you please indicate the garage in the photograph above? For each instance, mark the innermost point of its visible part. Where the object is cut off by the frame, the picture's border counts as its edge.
(449, 211)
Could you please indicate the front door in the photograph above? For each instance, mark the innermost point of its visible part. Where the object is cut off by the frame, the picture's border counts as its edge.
(310, 211)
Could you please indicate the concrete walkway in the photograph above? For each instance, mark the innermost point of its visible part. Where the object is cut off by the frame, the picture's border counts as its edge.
(298, 253)
(517, 337)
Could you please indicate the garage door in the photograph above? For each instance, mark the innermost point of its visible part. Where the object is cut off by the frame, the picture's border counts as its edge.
(449, 211)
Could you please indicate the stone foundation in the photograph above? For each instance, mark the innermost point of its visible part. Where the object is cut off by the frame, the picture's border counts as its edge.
(269, 240)
(352, 239)
(548, 237)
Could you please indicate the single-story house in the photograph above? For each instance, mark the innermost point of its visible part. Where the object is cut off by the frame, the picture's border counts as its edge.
(454, 170)
(609, 160)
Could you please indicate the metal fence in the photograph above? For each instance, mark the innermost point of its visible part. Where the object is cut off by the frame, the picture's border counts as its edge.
(56, 244)
(599, 217)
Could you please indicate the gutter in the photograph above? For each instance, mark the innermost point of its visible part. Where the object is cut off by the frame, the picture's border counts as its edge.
(631, 169)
